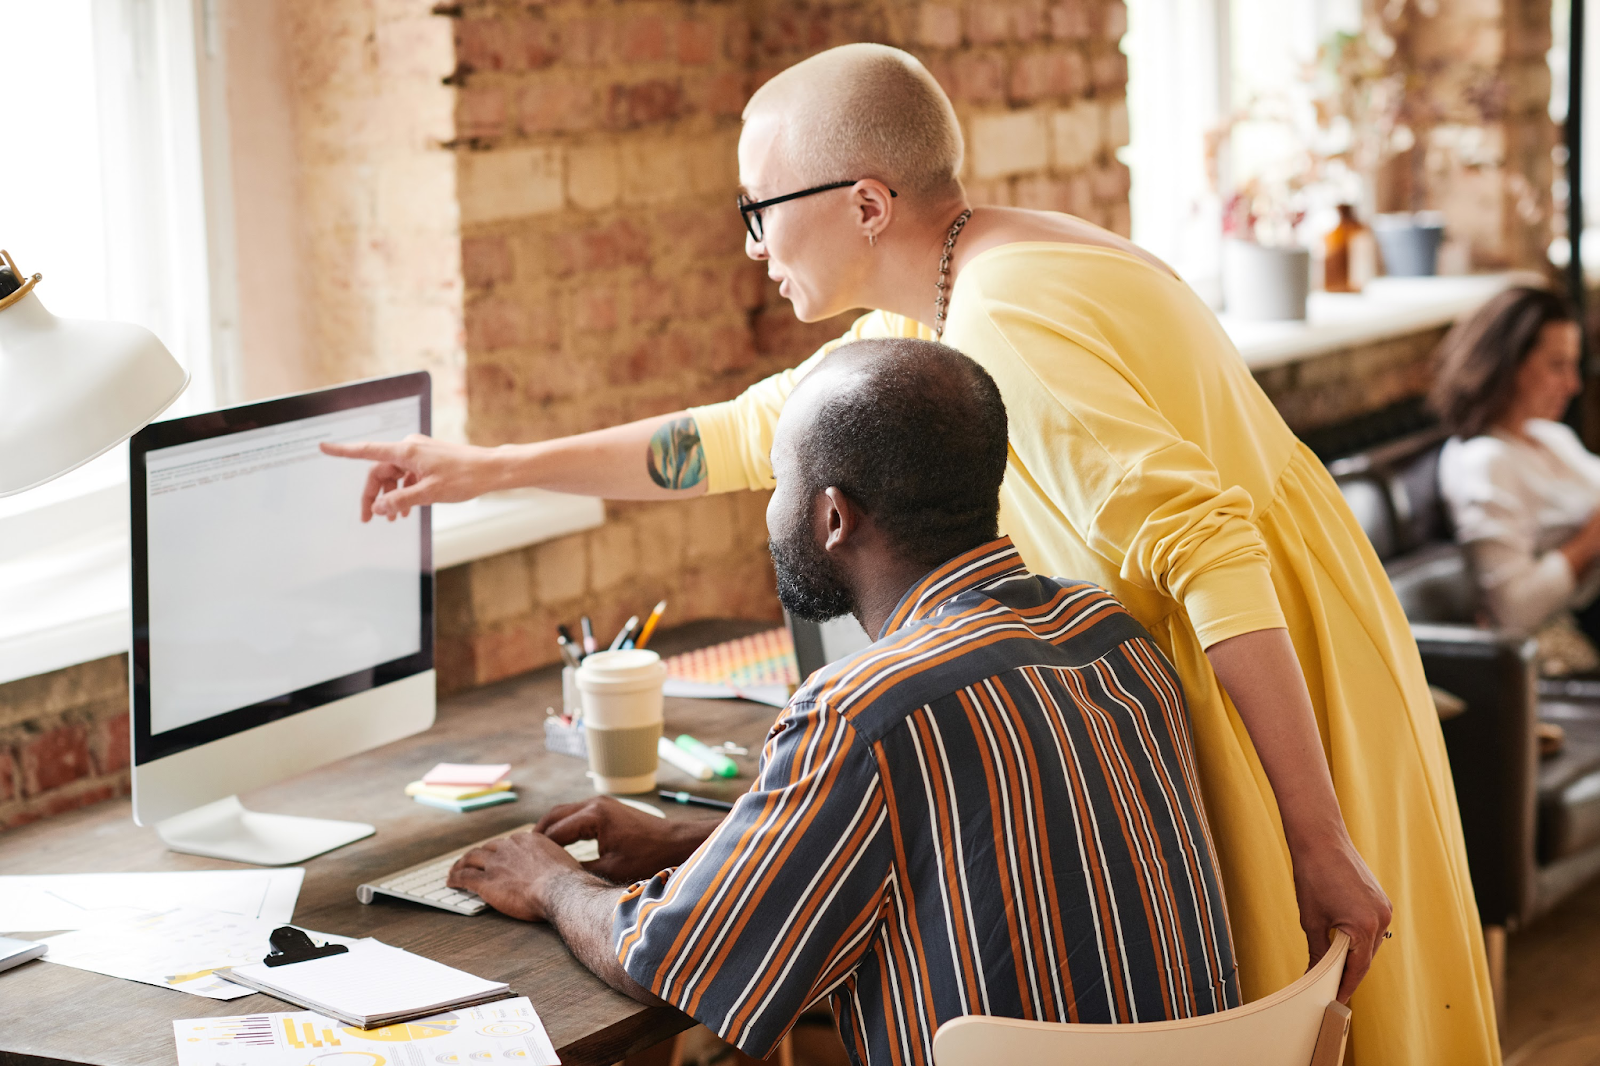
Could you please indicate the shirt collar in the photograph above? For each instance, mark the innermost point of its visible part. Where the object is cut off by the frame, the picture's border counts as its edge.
(987, 564)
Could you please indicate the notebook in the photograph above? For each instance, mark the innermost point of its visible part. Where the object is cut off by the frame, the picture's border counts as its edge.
(371, 985)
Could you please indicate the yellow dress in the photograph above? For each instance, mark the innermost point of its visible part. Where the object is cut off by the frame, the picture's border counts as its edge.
(1145, 458)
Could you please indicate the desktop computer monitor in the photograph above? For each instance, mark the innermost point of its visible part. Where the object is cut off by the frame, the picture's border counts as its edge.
(273, 630)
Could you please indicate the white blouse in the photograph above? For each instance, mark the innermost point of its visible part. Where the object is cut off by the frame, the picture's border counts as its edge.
(1514, 503)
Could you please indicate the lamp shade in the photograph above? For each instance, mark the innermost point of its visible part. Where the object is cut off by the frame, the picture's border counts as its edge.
(71, 389)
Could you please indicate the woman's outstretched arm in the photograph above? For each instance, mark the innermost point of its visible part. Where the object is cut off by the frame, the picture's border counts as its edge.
(655, 458)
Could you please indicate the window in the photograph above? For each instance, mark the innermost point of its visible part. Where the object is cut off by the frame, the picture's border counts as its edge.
(106, 190)
(1192, 64)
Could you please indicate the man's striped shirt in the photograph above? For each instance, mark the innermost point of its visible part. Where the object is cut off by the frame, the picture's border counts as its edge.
(991, 810)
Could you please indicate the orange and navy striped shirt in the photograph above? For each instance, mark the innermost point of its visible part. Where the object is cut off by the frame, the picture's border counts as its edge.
(992, 810)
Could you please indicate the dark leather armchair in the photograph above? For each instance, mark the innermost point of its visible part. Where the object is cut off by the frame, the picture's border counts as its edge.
(1532, 826)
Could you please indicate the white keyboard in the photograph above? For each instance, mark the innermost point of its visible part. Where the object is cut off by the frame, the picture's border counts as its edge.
(424, 882)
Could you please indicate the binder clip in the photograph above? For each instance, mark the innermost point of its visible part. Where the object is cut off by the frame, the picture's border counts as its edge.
(291, 945)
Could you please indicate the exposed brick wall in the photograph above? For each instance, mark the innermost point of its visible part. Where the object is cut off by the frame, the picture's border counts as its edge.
(1341, 385)
(381, 273)
(63, 740)
(604, 265)
(1477, 97)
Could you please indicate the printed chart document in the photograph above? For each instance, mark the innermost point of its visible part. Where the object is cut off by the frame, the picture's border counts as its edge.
(78, 901)
(179, 949)
(371, 984)
(505, 1032)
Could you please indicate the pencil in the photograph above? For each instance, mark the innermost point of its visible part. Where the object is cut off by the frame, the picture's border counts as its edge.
(650, 625)
(590, 645)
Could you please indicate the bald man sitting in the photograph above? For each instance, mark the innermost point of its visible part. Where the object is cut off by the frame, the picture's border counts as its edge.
(990, 810)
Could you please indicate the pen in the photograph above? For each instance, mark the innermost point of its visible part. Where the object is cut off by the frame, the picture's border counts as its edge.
(650, 625)
(694, 801)
(563, 631)
(568, 655)
(624, 633)
(590, 645)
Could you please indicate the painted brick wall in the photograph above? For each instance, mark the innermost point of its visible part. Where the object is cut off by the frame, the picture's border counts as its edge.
(604, 266)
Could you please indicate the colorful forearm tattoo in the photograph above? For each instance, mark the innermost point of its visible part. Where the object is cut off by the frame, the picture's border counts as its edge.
(677, 458)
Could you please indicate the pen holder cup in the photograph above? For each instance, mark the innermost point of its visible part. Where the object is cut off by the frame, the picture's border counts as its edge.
(571, 698)
(622, 717)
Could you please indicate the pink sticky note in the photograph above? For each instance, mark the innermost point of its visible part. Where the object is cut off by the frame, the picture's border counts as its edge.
(456, 773)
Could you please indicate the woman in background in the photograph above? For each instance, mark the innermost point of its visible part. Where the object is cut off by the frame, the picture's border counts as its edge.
(1522, 489)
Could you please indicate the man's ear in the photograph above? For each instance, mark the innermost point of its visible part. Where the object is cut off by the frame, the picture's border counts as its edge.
(837, 519)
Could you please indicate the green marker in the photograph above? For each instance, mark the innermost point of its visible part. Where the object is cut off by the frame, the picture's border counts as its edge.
(720, 764)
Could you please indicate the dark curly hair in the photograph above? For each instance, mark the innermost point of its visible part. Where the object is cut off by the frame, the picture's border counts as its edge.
(1475, 366)
(915, 433)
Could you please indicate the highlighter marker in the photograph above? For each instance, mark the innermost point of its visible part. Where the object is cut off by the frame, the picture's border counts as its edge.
(724, 766)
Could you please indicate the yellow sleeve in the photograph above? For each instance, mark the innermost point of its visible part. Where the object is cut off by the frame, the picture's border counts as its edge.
(1136, 492)
(737, 434)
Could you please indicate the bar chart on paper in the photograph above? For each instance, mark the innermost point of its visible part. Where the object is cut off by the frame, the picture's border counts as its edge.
(505, 1031)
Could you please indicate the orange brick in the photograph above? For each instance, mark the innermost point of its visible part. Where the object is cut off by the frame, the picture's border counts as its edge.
(588, 42)
(8, 775)
(485, 261)
(641, 103)
(697, 42)
(556, 106)
(595, 311)
(939, 25)
(978, 79)
(1070, 21)
(110, 745)
(55, 758)
(988, 23)
(481, 112)
(644, 40)
(493, 324)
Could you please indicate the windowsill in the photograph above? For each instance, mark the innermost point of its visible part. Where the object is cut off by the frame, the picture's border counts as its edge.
(1388, 308)
(68, 603)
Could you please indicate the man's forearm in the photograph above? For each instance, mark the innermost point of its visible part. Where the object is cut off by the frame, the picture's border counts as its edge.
(580, 906)
(657, 458)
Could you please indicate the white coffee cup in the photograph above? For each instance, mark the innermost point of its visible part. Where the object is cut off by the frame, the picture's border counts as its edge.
(622, 717)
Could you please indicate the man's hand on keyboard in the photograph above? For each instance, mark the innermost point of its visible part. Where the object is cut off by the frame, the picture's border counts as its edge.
(633, 845)
(514, 874)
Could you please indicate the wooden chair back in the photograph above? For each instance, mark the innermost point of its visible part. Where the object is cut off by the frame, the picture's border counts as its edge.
(1301, 1025)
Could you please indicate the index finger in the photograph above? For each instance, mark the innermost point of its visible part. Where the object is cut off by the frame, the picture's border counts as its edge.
(376, 450)
(559, 813)
(1356, 965)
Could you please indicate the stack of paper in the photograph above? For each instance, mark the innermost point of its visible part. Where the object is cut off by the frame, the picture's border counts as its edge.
(493, 1033)
(78, 901)
(463, 787)
(181, 949)
(371, 984)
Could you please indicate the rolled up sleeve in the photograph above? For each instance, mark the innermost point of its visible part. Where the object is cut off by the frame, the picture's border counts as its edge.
(737, 433)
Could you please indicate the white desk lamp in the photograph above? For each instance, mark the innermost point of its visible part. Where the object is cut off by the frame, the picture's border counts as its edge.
(70, 389)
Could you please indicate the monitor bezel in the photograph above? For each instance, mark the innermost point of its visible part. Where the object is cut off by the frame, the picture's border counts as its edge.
(148, 747)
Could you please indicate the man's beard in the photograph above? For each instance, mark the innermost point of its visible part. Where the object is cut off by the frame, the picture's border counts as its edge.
(808, 584)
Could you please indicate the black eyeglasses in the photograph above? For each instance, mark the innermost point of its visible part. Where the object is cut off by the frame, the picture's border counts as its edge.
(750, 210)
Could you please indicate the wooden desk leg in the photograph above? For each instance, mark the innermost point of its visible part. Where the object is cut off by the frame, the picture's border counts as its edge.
(786, 1050)
(1494, 946)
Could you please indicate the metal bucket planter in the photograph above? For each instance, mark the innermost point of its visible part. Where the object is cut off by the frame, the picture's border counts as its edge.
(1409, 243)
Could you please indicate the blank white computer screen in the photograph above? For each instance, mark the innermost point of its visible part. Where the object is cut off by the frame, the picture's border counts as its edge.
(263, 580)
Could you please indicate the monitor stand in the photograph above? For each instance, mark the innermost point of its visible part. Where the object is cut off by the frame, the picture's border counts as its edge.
(226, 830)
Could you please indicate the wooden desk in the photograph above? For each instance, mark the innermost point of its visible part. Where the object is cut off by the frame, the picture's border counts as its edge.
(53, 1014)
